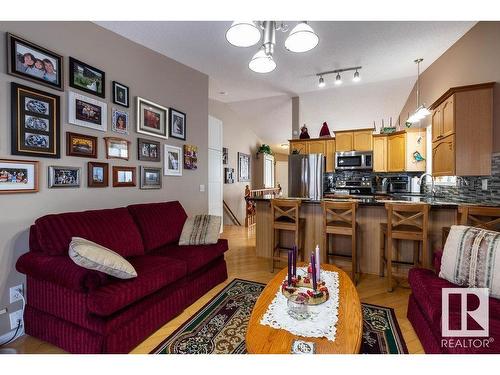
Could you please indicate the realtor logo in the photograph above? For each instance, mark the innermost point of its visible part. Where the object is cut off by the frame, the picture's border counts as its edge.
(479, 314)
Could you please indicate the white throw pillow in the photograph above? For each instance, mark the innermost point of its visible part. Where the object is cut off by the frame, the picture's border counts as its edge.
(88, 254)
(471, 258)
(201, 230)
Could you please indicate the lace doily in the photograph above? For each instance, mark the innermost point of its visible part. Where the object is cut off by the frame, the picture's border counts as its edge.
(322, 320)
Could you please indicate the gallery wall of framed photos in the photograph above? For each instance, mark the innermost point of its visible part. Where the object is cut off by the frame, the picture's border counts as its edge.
(104, 82)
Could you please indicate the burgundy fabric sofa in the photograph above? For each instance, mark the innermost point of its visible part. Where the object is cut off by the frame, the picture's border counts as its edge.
(424, 313)
(85, 311)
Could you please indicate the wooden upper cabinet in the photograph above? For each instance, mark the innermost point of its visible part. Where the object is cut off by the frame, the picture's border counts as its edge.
(362, 140)
(344, 141)
(380, 153)
(396, 152)
(462, 131)
(330, 155)
(443, 157)
(316, 147)
(300, 146)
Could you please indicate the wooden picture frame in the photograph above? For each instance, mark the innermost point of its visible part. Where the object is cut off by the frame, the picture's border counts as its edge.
(64, 177)
(121, 94)
(49, 74)
(35, 122)
(117, 148)
(151, 119)
(97, 178)
(124, 176)
(81, 145)
(148, 182)
(148, 150)
(87, 78)
(10, 180)
(177, 124)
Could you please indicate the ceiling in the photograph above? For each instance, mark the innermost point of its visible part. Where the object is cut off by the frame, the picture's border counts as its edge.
(386, 51)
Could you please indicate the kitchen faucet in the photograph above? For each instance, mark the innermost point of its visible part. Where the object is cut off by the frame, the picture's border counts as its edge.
(422, 178)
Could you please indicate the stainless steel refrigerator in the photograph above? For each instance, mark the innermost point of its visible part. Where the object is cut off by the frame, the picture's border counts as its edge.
(305, 176)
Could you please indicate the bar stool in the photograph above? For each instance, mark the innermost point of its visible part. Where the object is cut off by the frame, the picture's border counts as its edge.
(285, 214)
(483, 217)
(339, 218)
(404, 222)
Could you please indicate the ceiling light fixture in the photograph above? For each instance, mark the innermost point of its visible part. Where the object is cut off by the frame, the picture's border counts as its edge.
(421, 112)
(321, 82)
(247, 33)
(338, 78)
(243, 34)
(302, 38)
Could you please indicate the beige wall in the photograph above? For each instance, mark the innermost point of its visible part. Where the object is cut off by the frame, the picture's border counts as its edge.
(148, 75)
(238, 137)
(475, 58)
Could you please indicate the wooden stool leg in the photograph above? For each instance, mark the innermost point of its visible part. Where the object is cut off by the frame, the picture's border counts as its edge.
(382, 253)
(353, 258)
(325, 247)
(273, 250)
(390, 247)
(416, 253)
(425, 253)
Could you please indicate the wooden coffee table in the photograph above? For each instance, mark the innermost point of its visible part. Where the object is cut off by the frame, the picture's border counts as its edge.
(262, 339)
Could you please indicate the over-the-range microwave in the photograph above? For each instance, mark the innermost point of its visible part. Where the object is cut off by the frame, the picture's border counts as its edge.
(353, 160)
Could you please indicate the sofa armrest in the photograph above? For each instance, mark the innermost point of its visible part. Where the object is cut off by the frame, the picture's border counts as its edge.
(438, 254)
(60, 270)
(223, 244)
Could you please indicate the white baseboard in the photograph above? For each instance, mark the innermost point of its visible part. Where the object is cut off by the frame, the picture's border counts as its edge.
(8, 335)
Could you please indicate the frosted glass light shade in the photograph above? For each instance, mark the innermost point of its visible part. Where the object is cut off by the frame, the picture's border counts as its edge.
(262, 63)
(302, 38)
(243, 34)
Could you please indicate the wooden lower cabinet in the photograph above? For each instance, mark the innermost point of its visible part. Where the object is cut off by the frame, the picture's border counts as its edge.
(443, 157)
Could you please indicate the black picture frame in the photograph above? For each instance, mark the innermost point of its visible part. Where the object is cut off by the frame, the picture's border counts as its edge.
(74, 64)
(244, 171)
(144, 150)
(174, 117)
(145, 184)
(35, 122)
(115, 86)
(15, 67)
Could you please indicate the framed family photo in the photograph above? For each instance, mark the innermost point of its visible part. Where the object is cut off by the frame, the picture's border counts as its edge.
(190, 157)
(150, 178)
(117, 148)
(148, 150)
(35, 122)
(177, 123)
(120, 94)
(86, 78)
(81, 145)
(87, 112)
(34, 63)
(18, 176)
(123, 176)
(243, 167)
(64, 177)
(172, 161)
(151, 118)
(97, 174)
(119, 121)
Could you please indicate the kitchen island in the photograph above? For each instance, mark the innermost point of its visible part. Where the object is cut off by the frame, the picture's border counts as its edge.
(370, 214)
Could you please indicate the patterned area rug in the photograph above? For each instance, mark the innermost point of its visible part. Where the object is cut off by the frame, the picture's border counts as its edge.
(220, 326)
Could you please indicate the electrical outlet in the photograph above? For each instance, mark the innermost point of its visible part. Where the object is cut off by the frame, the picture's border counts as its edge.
(484, 184)
(202, 188)
(15, 317)
(3, 311)
(14, 293)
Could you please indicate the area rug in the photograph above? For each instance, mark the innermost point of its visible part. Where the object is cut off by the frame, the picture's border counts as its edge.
(220, 326)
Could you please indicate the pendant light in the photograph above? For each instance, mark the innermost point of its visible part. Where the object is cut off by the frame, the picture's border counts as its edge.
(243, 34)
(262, 62)
(302, 38)
(421, 111)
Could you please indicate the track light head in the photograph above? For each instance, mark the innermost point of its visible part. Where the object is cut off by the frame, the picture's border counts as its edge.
(356, 77)
(338, 79)
(321, 82)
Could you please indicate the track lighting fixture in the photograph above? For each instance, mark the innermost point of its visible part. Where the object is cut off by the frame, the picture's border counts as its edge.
(338, 78)
(302, 38)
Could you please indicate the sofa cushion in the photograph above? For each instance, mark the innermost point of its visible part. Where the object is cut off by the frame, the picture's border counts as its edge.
(160, 223)
(111, 228)
(153, 273)
(195, 256)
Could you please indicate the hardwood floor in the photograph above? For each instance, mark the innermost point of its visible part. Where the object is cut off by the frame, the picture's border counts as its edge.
(242, 263)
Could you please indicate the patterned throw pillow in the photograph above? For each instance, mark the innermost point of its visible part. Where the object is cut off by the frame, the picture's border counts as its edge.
(201, 230)
(471, 258)
(88, 254)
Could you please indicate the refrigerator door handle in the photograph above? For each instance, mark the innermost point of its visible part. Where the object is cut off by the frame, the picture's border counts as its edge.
(304, 192)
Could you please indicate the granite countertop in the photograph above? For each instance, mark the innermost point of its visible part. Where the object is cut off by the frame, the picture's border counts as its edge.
(380, 200)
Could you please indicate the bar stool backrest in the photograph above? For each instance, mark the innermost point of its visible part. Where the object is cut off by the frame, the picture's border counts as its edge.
(407, 216)
(342, 213)
(480, 217)
(286, 210)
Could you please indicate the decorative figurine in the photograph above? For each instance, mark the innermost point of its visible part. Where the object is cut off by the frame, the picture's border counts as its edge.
(303, 132)
(325, 132)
